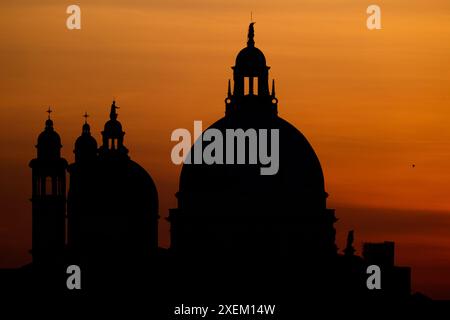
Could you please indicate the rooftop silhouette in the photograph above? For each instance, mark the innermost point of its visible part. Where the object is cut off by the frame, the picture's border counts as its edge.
(262, 235)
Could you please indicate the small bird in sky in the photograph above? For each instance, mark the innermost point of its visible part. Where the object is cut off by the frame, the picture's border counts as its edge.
(413, 165)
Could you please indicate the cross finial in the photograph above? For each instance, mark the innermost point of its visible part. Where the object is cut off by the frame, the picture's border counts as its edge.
(85, 116)
(49, 111)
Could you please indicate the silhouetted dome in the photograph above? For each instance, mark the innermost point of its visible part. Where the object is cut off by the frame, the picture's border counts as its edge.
(124, 206)
(85, 145)
(113, 201)
(113, 128)
(271, 204)
(86, 142)
(49, 137)
(49, 142)
(298, 184)
(125, 185)
(144, 185)
(250, 59)
(113, 209)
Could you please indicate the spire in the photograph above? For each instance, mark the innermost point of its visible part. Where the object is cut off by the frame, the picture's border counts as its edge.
(251, 35)
(229, 88)
(273, 88)
(349, 249)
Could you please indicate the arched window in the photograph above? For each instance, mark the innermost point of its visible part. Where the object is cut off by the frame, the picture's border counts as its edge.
(250, 85)
(112, 144)
(246, 85)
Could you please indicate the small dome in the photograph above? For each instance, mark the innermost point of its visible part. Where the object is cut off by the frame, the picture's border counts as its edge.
(49, 138)
(86, 142)
(113, 128)
(85, 147)
(49, 142)
(250, 61)
(250, 58)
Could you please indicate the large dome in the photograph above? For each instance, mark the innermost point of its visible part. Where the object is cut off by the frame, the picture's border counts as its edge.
(126, 192)
(235, 209)
(114, 127)
(250, 58)
(298, 181)
(112, 206)
(113, 201)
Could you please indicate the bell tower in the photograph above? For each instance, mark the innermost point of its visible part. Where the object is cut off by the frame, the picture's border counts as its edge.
(48, 197)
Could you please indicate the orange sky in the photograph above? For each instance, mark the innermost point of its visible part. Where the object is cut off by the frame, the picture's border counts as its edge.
(372, 103)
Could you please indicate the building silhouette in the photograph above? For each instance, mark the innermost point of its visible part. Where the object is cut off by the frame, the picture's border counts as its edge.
(48, 197)
(112, 205)
(234, 209)
(261, 235)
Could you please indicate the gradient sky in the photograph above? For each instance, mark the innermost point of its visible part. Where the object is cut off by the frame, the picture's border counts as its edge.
(372, 103)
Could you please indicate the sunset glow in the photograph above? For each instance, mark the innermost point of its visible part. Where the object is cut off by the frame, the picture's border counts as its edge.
(375, 105)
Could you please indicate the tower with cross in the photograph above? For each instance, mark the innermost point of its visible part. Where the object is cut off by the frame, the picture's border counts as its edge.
(48, 197)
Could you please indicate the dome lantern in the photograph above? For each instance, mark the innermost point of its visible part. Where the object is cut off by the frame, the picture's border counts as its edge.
(251, 80)
(113, 135)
